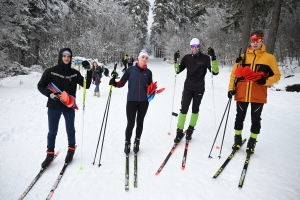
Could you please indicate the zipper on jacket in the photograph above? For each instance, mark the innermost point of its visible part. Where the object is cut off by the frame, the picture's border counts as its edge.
(248, 86)
(139, 84)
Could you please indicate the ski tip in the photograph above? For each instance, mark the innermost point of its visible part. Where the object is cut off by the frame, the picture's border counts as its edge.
(182, 167)
(169, 133)
(156, 173)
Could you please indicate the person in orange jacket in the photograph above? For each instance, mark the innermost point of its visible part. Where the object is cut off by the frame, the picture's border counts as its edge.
(250, 77)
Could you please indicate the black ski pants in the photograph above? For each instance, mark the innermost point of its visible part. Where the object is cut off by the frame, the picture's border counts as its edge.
(187, 97)
(241, 110)
(135, 110)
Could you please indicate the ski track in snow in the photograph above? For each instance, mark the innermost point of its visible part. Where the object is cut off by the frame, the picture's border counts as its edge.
(272, 172)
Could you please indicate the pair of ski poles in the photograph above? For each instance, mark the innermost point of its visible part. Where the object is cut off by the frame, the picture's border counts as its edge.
(105, 117)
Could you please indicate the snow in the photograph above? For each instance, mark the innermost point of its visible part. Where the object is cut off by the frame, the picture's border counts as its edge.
(273, 172)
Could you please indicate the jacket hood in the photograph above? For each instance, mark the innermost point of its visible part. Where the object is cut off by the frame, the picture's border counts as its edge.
(61, 64)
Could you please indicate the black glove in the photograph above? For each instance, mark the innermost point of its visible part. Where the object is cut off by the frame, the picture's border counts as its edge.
(261, 81)
(53, 96)
(211, 52)
(86, 65)
(114, 74)
(113, 82)
(231, 93)
(238, 59)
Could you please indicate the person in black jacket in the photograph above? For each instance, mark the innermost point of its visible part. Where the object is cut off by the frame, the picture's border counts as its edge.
(139, 77)
(66, 79)
(196, 65)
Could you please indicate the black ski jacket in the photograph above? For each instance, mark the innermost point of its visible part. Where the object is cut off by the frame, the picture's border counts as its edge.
(65, 78)
(196, 66)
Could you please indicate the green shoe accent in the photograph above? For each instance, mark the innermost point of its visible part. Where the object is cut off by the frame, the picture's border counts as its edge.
(181, 121)
(238, 132)
(254, 135)
(193, 120)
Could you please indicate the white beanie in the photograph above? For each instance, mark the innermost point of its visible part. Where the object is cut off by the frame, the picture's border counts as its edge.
(66, 52)
(143, 53)
(195, 41)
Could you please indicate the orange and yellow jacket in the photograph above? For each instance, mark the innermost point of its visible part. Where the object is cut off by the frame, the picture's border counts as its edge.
(259, 61)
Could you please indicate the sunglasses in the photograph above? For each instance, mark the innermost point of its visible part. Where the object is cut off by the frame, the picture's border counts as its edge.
(256, 39)
(194, 46)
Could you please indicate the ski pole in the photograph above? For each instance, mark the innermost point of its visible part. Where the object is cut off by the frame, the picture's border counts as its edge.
(209, 156)
(225, 127)
(213, 93)
(109, 98)
(107, 103)
(83, 109)
(175, 114)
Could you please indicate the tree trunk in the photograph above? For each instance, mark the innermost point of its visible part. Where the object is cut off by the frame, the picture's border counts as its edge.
(274, 26)
(249, 9)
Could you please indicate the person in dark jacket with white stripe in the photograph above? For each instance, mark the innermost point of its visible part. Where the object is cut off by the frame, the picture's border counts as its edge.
(139, 77)
(66, 79)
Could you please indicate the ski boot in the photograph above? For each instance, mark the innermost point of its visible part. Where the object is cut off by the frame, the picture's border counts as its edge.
(189, 133)
(251, 145)
(136, 145)
(237, 142)
(127, 147)
(70, 154)
(179, 136)
(48, 160)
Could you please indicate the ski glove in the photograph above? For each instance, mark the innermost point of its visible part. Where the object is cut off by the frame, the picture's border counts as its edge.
(114, 74)
(86, 65)
(54, 96)
(176, 67)
(231, 93)
(211, 52)
(261, 81)
(113, 82)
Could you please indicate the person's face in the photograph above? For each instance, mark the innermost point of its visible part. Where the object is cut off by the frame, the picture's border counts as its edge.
(256, 42)
(66, 58)
(195, 48)
(143, 60)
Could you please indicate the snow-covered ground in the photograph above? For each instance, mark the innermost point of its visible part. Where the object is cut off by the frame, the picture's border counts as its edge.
(273, 172)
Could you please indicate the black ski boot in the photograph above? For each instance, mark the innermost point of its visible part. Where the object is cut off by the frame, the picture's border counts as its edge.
(127, 147)
(179, 135)
(189, 133)
(237, 142)
(70, 154)
(136, 145)
(251, 145)
(48, 160)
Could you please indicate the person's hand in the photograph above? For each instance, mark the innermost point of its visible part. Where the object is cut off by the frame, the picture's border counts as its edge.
(261, 81)
(211, 52)
(176, 68)
(54, 96)
(114, 74)
(113, 82)
(231, 93)
(86, 65)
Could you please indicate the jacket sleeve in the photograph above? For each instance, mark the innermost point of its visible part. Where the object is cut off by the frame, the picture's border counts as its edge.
(276, 77)
(182, 65)
(232, 78)
(43, 83)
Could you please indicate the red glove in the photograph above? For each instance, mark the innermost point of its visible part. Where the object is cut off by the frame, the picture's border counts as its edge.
(151, 88)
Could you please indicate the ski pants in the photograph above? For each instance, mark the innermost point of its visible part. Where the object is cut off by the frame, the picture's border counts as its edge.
(53, 121)
(135, 110)
(187, 97)
(241, 110)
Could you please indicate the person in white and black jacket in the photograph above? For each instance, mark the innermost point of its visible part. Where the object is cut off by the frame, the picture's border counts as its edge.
(66, 79)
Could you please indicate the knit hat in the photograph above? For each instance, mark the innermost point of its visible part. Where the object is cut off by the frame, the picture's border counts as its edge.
(195, 41)
(143, 53)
